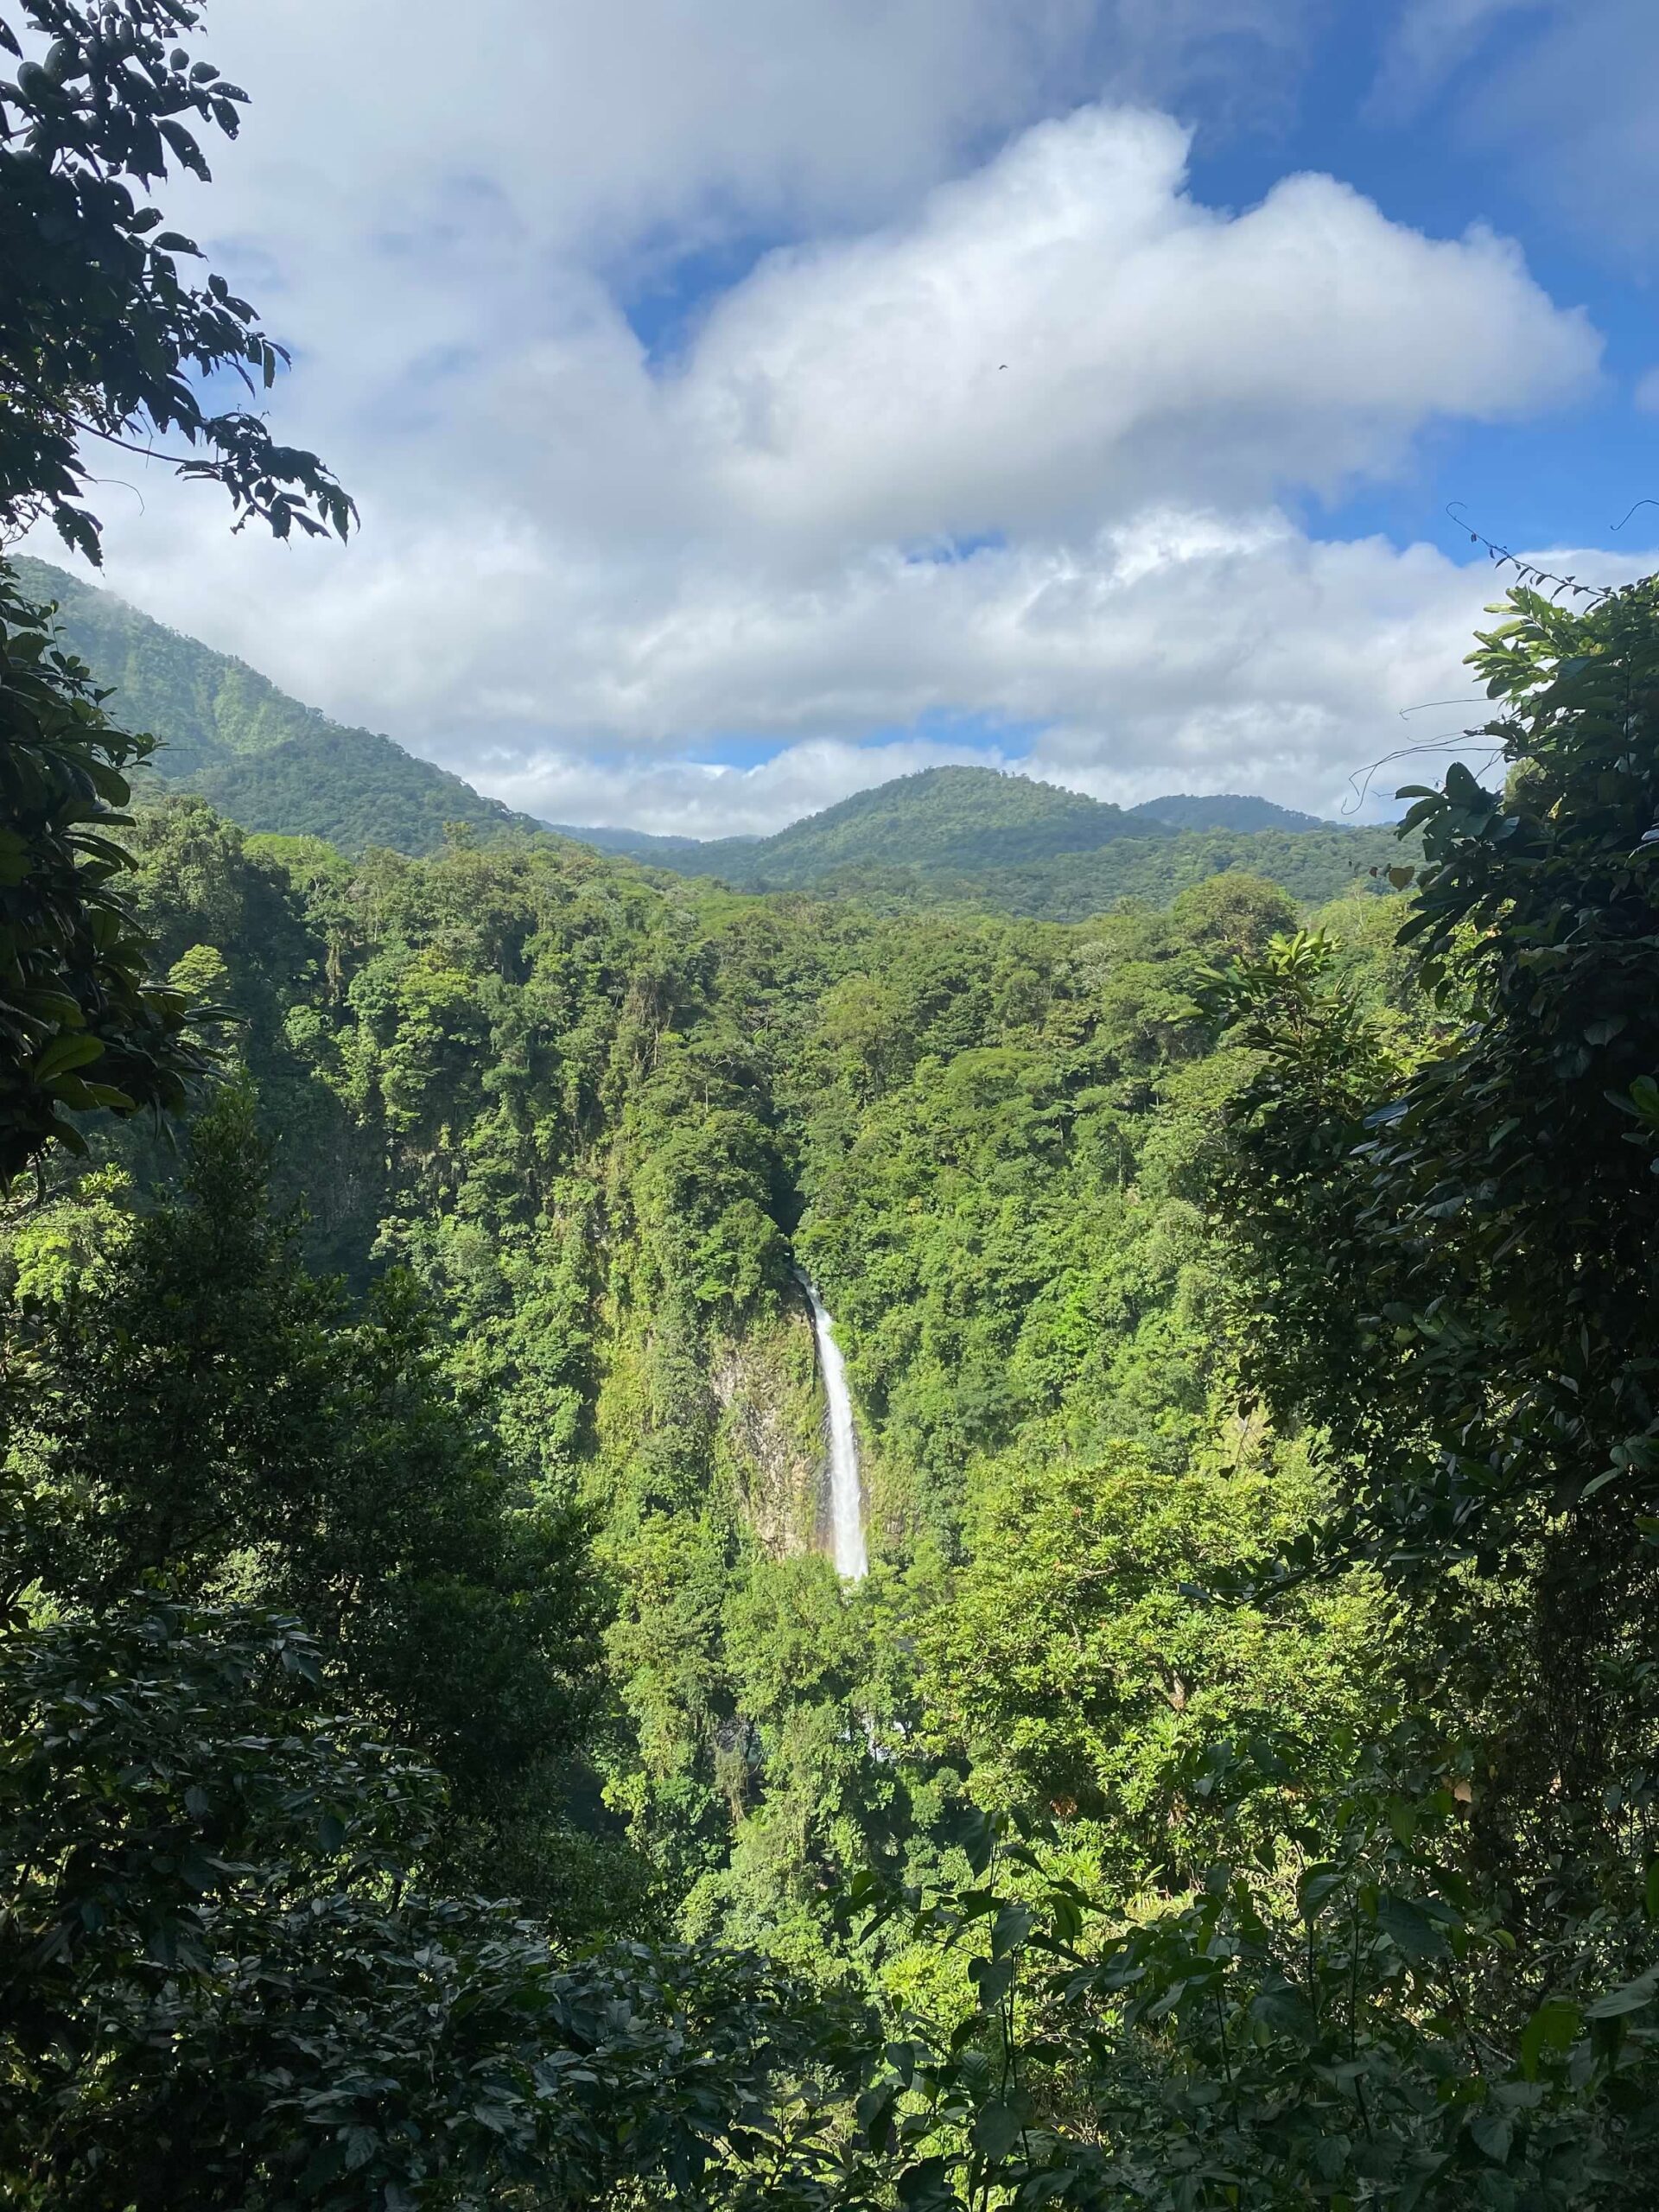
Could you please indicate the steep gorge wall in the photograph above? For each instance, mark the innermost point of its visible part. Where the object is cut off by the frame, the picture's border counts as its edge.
(769, 1439)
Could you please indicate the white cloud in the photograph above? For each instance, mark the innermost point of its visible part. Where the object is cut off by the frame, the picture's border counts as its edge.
(691, 799)
(1182, 653)
(1067, 331)
(623, 131)
(831, 514)
(1176, 650)
(555, 126)
(1060, 333)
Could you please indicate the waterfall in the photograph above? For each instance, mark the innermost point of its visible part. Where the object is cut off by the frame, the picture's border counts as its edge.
(851, 1560)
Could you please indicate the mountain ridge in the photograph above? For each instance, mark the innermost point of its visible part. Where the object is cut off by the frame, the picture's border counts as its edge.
(960, 816)
(1228, 810)
(234, 738)
(961, 836)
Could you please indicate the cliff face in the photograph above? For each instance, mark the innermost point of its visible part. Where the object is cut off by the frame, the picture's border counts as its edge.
(769, 1437)
(727, 1421)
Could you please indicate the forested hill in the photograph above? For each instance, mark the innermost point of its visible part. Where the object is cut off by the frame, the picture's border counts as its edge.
(957, 818)
(1225, 811)
(975, 838)
(229, 734)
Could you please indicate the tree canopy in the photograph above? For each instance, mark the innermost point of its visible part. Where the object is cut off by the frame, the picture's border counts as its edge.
(102, 338)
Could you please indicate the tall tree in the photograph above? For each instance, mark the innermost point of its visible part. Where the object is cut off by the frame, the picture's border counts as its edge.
(102, 332)
(104, 337)
(82, 1027)
(189, 1407)
(1461, 1256)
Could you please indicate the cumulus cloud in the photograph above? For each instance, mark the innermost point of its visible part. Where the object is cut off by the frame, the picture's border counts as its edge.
(1176, 650)
(1068, 331)
(824, 511)
(611, 135)
(686, 798)
(1179, 653)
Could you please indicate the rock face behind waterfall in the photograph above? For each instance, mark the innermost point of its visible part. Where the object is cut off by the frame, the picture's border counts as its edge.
(769, 1439)
(846, 1491)
(784, 1447)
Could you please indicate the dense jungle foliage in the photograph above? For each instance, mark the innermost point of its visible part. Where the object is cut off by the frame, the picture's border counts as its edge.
(439, 1766)
(1312, 865)
(1216, 1793)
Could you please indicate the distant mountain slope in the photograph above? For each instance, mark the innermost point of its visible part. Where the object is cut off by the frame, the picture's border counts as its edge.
(975, 837)
(1225, 811)
(643, 844)
(959, 818)
(262, 758)
(955, 818)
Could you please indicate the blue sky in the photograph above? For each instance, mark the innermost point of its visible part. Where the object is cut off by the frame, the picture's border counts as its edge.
(751, 401)
(1433, 156)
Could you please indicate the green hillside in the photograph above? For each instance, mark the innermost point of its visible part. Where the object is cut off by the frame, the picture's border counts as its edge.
(1224, 810)
(230, 734)
(964, 818)
(1312, 865)
(646, 845)
(975, 839)
(960, 818)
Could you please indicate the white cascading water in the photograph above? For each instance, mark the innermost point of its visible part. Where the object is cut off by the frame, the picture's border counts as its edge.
(852, 1561)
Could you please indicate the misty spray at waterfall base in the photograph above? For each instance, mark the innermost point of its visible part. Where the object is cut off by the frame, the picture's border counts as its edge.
(852, 1561)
